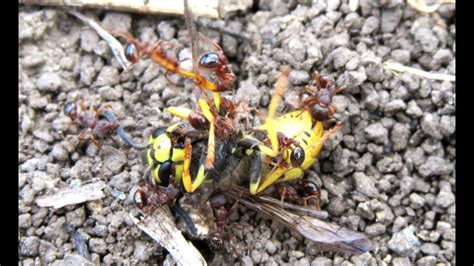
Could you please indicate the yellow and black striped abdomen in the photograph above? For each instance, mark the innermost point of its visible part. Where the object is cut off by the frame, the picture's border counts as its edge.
(165, 155)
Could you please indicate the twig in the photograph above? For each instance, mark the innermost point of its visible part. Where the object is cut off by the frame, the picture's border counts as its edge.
(421, 5)
(210, 24)
(161, 227)
(206, 8)
(401, 68)
(113, 43)
(71, 196)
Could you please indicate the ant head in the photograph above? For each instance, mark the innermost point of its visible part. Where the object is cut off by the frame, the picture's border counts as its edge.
(209, 60)
(132, 53)
(319, 112)
(310, 187)
(326, 81)
(70, 109)
(140, 199)
(297, 156)
(216, 242)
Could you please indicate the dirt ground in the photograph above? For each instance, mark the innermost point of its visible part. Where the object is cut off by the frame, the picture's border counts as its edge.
(390, 172)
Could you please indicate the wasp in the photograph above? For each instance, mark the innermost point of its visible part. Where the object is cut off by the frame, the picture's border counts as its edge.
(290, 143)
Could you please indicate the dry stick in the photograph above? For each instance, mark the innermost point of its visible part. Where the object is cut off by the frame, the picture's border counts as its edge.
(113, 43)
(73, 195)
(161, 227)
(421, 5)
(401, 68)
(208, 8)
(210, 24)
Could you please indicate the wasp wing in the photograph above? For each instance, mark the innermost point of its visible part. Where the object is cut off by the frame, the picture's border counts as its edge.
(193, 33)
(327, 235)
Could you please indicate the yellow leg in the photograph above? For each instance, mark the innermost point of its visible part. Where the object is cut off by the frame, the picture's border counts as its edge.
(271, 178)
(179, 112)
(201, 176)
(270, 125)
(217, 100)
(206, 111)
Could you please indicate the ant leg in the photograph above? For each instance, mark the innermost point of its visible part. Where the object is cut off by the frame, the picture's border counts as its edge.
(168, 80)
(339, 89)
(95, 141)
(314, 149)
(317, 77)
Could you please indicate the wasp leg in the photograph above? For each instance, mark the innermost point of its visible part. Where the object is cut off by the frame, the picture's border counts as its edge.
(206, 111)
(188, 183)
(255, 170)
(271, 178)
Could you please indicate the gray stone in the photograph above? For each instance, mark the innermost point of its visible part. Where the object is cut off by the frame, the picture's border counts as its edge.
(298, 77)
(24, 220)
(49, 81)
(375, 229)
(337, 206)
(59, 153)
(365, 184)
(404, 261)
(435, 166)
(394, 106)
(427, 39)
(430, 125)
(445, 198)
(402, 56)
(341, 56)
(270, 247)
(98, 245)
(399, 135)
(74, 259)
(427, 260)
(377, 133)
(248, 92)
(89, 40)
(321, 261)
(29, 246)
(447, 125)
(390, 164)
(372, 100)
(413, 110)
(390, 19)
(430, 249)
(108, 76)
(118, 21)
(399, 223)
(417, 201)
(371, 25)
(247, 261)
(405, 242)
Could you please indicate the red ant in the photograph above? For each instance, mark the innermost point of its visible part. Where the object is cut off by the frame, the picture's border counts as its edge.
(320, 98)
(89, 118)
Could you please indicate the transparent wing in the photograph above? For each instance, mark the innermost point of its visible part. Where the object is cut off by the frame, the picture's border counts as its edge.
(193, 33)
(327, 235)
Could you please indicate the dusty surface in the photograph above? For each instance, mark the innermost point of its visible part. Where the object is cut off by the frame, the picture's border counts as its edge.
(389, 173)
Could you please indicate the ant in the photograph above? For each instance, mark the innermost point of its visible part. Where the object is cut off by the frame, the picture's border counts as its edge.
(300, 192)
(320, 98)
(89, 118)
